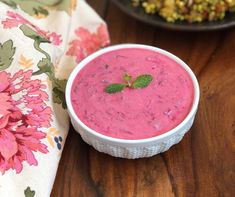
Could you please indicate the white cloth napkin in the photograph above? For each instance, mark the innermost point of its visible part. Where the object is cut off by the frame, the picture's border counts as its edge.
(40, 44)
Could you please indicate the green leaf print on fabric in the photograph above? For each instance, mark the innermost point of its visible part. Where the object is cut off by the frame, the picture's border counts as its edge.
(46, 66)
(58, 91)
(7, 52)
(40, 7)
(28, 192)
(31, 7)
(10, 3)
(66, 5)
(27, 31)
(49, 2)
(38, 39)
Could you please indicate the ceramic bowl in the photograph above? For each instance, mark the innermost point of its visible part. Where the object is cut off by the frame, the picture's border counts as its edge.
(132, 149)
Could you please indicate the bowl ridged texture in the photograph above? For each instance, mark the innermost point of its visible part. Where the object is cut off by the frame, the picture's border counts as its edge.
(133, 152)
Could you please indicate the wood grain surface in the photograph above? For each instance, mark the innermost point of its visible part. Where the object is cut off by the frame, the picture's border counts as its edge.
(203, 163)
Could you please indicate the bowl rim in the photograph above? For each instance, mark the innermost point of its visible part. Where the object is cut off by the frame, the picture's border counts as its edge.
(159, 138)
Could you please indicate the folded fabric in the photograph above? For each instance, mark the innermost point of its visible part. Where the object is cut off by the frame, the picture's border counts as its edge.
(40, 44)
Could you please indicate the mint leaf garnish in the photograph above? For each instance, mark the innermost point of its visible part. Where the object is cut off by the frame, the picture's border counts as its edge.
(127, 78)
(142, 81)
(113, 88)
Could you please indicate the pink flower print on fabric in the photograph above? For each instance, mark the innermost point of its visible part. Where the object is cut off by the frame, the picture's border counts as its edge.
(23, 112)
(15, 20)
(88, 42)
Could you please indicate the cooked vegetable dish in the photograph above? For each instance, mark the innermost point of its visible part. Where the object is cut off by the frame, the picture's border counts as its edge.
(187, 10)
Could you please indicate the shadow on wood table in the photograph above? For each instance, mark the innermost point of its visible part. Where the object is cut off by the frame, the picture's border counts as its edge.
(202, 164)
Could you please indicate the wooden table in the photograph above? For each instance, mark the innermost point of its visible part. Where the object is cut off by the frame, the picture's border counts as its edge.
(202, 164)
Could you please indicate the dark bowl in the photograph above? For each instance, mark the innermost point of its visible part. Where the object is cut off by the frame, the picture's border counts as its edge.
(138, 13)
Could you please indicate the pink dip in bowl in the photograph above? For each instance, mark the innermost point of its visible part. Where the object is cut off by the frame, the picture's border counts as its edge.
(133, 113)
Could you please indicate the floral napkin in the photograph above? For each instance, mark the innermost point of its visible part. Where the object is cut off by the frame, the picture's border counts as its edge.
(40, 44)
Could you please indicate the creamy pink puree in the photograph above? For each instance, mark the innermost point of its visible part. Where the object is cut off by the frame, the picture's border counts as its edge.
(132, 113)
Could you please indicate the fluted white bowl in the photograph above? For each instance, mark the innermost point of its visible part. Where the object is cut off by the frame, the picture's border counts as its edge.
(132, 149)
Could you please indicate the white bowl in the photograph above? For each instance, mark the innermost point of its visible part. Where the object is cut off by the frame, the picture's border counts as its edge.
(132, 149)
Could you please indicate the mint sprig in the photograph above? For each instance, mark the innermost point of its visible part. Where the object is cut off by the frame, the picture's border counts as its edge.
(113, 88)
(127, 78)
(141, 81)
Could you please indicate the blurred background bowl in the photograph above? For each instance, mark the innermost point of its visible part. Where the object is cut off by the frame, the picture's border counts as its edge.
(154, 19)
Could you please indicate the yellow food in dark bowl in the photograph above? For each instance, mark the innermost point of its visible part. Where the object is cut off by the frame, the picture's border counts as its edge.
(187, 10)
